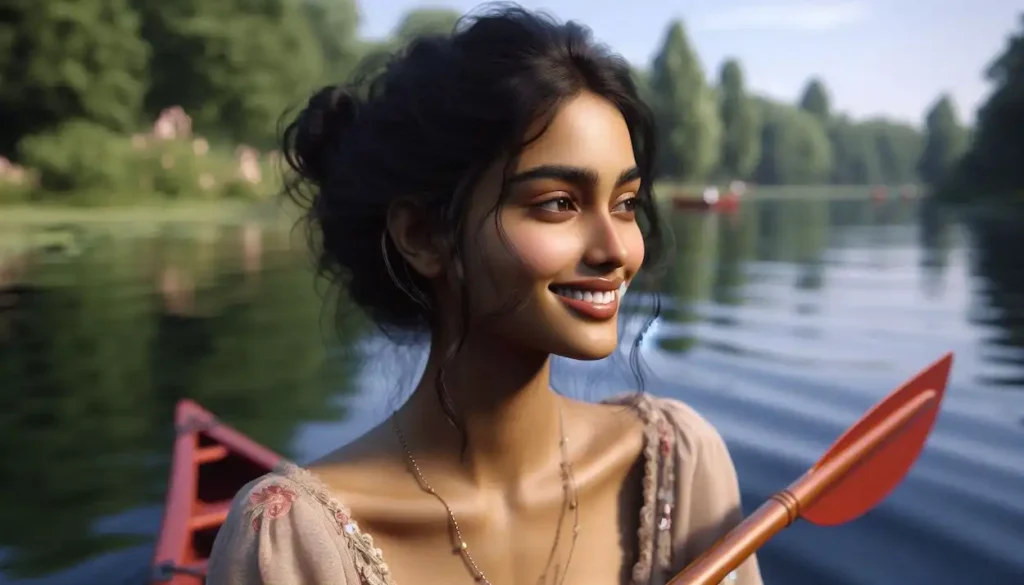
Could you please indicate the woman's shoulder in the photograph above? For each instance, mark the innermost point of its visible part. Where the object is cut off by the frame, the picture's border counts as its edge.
(288, 524)
(691, 432)
(275, 494)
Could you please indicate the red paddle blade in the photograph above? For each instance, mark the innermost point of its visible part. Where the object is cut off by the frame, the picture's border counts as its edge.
(873, 477)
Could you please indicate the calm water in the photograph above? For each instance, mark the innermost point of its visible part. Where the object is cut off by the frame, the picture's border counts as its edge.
(781, 324)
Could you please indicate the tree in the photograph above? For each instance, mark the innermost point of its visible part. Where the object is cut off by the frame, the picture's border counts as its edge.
(415, 24)
(741, 137)
(686, 110)
(994, 161)
(335, 26)
(855, 156)
(945, 142)
(795, 149)
(899, 147)
(234, 65)
(66, 59)
(816, 101)
(425, 22)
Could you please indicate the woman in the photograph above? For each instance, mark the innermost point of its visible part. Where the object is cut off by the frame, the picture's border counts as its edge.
(488, 190)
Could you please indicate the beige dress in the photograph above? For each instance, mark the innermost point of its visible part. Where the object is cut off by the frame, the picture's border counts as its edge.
(287, 529)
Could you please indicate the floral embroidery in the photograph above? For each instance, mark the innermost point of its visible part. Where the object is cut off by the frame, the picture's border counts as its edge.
(664, 438)
(273, 501)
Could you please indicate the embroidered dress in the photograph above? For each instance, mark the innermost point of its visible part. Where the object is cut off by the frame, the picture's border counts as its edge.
(286, 528)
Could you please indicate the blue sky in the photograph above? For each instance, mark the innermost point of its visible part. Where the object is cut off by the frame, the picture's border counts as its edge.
(877, 57)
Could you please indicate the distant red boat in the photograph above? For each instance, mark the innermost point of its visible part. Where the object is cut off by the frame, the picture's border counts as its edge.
(709, 200)
(880, 193)
(211, 463)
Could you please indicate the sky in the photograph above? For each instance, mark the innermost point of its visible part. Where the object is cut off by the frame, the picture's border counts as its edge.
(877, 57)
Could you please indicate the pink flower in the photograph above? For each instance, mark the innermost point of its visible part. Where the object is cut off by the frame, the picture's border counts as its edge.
(664, 438)
(342, 518)
(272, 501)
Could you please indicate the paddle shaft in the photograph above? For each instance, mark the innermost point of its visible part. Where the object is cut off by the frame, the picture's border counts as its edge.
(784, 507)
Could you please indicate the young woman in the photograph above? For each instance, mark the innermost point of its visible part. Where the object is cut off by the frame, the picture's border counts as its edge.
(488, 191)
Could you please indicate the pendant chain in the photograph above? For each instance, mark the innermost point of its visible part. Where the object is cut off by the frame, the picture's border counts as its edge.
(460, 547)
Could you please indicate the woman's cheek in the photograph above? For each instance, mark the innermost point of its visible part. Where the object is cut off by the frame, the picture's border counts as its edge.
(635, 249)
(547, 251)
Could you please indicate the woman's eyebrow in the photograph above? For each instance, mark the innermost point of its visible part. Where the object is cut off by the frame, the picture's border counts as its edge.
(579, 176)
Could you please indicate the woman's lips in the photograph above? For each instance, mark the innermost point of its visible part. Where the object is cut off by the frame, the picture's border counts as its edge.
(600, 305)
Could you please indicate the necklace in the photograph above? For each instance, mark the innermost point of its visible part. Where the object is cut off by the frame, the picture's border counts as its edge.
(570, 502)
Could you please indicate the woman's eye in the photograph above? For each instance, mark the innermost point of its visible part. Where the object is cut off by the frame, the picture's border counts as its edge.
(626, 205)
(559, 205)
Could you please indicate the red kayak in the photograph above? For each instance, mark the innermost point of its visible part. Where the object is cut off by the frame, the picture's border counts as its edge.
(211, 463)
(710, 200)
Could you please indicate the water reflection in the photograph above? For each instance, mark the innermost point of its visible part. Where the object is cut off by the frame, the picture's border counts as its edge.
(768, 314)
(96, 348)
(997, 262)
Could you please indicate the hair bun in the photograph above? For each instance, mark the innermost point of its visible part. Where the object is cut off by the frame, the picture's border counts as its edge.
(320, 127)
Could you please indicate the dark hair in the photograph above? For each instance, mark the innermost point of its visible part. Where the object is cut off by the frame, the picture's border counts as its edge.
(440, 112)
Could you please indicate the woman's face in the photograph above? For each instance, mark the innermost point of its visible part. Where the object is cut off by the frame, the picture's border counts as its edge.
(571, 239)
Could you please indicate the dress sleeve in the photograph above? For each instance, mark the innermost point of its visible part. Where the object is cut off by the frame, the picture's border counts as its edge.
(276, 533)
(707, 492)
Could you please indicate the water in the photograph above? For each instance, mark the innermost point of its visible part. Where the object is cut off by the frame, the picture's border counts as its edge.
(780, 324)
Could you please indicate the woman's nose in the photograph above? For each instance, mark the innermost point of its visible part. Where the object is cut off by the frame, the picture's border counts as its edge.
(606, 247)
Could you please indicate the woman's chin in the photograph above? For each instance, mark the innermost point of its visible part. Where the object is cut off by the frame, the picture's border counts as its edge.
(586, 350)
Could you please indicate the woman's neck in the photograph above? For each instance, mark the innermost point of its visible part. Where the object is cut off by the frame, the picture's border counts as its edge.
(502, 399)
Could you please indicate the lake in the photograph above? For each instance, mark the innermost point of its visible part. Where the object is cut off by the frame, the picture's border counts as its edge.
(781, 323)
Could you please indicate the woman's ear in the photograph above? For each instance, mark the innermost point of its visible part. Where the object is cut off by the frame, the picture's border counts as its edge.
(412, 234)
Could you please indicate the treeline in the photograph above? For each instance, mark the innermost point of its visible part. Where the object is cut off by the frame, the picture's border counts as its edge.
(990, 162)
(723, 132)
(236, 65)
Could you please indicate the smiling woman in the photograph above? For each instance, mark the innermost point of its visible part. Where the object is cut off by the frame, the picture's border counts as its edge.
(493, 189)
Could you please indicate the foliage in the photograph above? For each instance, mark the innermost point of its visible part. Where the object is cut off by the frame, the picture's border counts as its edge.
(79, 76)
(993, 162)
(816, 101)
(685, 109)
(234, 65)
(78, 156)
(945, 142)
(334, 24)
(855, 155)
(83, 163)
(741, 144)
(66, 59)
(424, 22)
(795, 147)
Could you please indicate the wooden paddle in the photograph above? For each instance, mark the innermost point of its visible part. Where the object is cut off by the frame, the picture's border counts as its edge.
(858, 471)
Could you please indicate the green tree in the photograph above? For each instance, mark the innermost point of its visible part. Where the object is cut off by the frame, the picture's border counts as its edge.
(425, 22)
(66, 59)
(741, 137)
(855, 156)
(416, 23)
(899, 147)
(686, 110)
(233, 65)
(816, 101)
(994, 161)
(335, 26)
(945, 142)
(795, 149)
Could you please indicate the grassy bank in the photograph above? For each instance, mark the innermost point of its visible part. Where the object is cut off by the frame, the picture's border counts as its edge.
(199, 210)
(172, 211)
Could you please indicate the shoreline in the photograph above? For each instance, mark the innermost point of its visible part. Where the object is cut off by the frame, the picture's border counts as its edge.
(183, 211)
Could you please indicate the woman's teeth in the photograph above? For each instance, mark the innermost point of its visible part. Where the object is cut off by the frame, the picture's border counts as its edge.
(597, 297)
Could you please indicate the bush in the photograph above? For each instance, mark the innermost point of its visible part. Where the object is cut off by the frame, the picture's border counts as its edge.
(78, 156)
(80, 163)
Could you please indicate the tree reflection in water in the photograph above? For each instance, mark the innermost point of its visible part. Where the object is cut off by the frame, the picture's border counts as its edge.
(95, 350)
(997, 243)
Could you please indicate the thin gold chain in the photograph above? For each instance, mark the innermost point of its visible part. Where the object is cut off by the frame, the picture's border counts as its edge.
(460, 547)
